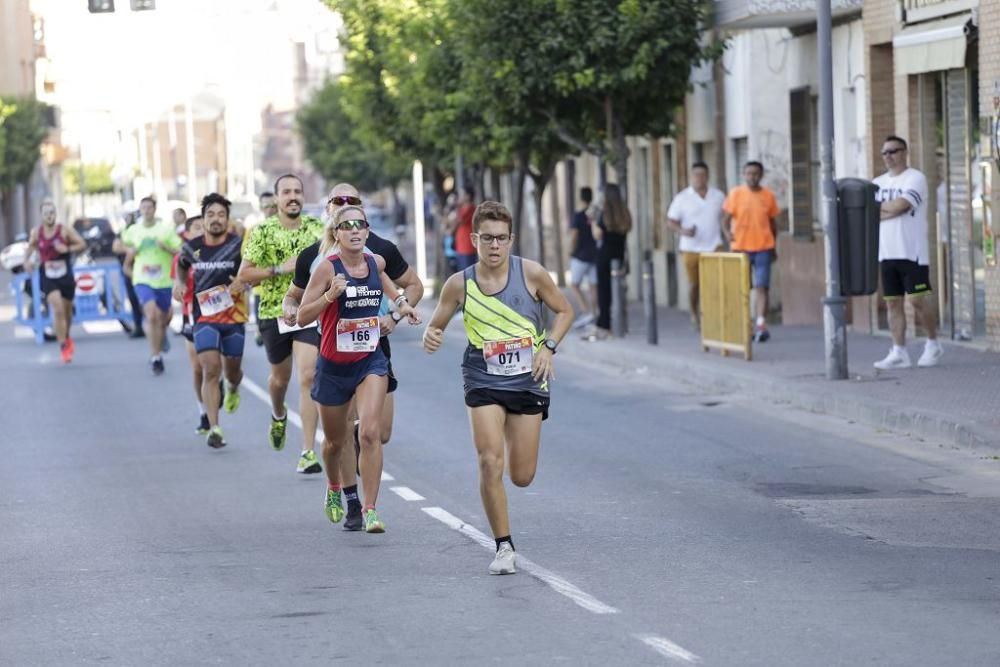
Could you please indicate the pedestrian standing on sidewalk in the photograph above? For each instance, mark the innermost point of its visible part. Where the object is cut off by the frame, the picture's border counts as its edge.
(464, 249)
(610, 232)
(904, 255)
(583, 261)
(696, 215)
(751, 227)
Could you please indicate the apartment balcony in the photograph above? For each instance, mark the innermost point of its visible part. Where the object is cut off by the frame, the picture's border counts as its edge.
(792, 14)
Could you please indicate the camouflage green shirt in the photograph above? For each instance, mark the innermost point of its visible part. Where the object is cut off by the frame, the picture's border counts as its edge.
(270, 244)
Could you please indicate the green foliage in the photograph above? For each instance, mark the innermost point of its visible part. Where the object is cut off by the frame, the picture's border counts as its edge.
(97, 178)
(338, 151)
(23, 128)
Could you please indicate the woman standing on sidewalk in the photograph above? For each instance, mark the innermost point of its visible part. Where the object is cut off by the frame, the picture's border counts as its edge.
(610, 232)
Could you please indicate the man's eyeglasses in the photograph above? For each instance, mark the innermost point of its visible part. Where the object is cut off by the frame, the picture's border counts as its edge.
(344, 200)
(892, 151)
(488, 239)
(347, 225)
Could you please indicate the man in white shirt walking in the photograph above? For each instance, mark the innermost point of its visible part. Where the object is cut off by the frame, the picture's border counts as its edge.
(695, 213)
(904, 255)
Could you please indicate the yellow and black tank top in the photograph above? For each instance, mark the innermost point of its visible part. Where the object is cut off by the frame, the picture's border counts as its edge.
(511, 313)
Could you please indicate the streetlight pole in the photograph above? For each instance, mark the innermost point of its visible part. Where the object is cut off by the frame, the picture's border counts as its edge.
(834, 305)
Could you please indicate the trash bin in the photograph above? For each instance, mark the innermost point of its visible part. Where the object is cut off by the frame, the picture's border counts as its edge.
(857, 231)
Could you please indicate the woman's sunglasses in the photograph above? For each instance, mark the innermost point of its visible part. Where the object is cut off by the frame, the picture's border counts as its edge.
(347, 225)
(344, 200)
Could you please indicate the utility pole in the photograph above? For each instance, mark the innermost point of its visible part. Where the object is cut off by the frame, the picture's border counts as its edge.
(835, 304)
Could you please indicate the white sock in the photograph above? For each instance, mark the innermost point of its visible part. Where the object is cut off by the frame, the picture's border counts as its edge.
(898, 349)
(277, 418)
(201, 409)
(932, 343)
(760, 321)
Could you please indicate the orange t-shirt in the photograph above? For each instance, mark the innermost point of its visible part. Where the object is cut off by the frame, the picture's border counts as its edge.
(752, 213)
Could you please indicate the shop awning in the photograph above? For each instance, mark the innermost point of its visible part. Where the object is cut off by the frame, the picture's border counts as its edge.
(931, 47)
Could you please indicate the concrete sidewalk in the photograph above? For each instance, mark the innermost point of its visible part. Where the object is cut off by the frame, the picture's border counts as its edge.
(956, 403)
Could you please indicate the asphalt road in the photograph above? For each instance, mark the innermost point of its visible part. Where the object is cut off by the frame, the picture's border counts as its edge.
(664, 527)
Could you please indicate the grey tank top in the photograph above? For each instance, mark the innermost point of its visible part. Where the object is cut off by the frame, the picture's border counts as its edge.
(511, 313)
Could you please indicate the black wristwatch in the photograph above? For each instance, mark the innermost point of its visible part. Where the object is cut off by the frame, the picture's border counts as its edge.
(551, 344)
(396, 316)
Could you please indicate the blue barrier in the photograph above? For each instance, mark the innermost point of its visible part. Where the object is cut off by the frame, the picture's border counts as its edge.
(100, 295)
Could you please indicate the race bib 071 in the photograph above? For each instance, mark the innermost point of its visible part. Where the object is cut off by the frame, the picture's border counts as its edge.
(513, 356)
(358, 335)
(55, 269)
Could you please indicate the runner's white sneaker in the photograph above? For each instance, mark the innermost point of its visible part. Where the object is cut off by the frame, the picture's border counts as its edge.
(932, 354)
(898, 357)
(503, 563)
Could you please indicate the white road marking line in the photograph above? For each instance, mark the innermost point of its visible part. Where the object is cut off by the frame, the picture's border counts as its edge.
(101, 326)
(668, 649)
(7, 313)
(406, 493)
(554, 581)
(386, 477)
(23, 332)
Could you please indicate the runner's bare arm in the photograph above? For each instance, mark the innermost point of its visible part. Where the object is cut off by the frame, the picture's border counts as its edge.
(413, 288)
(540, 282)
(181, 281)
(727, 231)
(76, 242)
(290, 304)
(323, 289)
(452, 297)
(253, 274)
(129, 262)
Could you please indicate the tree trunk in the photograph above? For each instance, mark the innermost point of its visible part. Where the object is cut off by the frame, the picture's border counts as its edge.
(619, 146)
(495, 184)
(539, 182)
(520, 174)
(557, 233)
(478, 175)
(440, 263)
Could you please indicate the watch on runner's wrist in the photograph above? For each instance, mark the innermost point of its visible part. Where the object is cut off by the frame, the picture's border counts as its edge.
(551, 345)
(396, 316)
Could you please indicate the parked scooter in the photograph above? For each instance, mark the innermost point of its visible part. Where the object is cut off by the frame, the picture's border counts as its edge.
(12, 258)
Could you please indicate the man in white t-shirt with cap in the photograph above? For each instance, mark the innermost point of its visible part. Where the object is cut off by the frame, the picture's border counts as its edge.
(904, 255)
(696, 213)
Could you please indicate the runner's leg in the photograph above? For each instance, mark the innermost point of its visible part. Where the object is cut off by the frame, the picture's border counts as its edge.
(488, 435)
(59, 323)
(369, 399)
(388, 413)
(211, 368)
(305, 363)
(277, 385)
(336, 434)
(523, 433)
(233, 369)
(152, 315)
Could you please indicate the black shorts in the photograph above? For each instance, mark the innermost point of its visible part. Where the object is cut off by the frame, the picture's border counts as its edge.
(278, 346)
(65, 286)
(904, 276)
(393, 383)
(514, 402)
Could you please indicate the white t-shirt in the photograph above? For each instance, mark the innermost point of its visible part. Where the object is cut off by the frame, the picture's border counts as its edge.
(905, 236)
(704, 214)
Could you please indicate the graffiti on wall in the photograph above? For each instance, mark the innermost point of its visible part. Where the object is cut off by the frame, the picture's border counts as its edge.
(775, 154)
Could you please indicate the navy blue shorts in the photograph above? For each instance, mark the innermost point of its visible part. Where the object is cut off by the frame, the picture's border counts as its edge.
(760, 268)
(335, 384)
(226, 338)
(163, 296)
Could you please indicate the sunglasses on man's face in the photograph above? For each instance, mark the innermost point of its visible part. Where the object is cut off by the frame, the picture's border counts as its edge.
(892, 151)
(344, 200)
(347, 225)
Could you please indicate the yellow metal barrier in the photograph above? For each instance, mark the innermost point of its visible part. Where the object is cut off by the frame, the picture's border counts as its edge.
(724, 279)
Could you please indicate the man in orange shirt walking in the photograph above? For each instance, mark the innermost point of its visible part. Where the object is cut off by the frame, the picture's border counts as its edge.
(750, 226)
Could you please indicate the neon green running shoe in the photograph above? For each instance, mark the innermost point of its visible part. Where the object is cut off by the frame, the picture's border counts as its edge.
(231, 401)
(277, 432)
(215, 439)
(372, 524)
(334, 508)
(308, 464)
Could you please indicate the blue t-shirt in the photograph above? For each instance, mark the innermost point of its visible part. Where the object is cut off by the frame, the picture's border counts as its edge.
(586, 247)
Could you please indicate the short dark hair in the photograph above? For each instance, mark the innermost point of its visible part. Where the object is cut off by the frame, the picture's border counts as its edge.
(471, 191)
(190, 221)
(754, 163)
(586, 194)
(699, 165)
(149, 199)
(265, 194)
(901, 140)
(492, 210)
(279, 179)
(215, 198)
